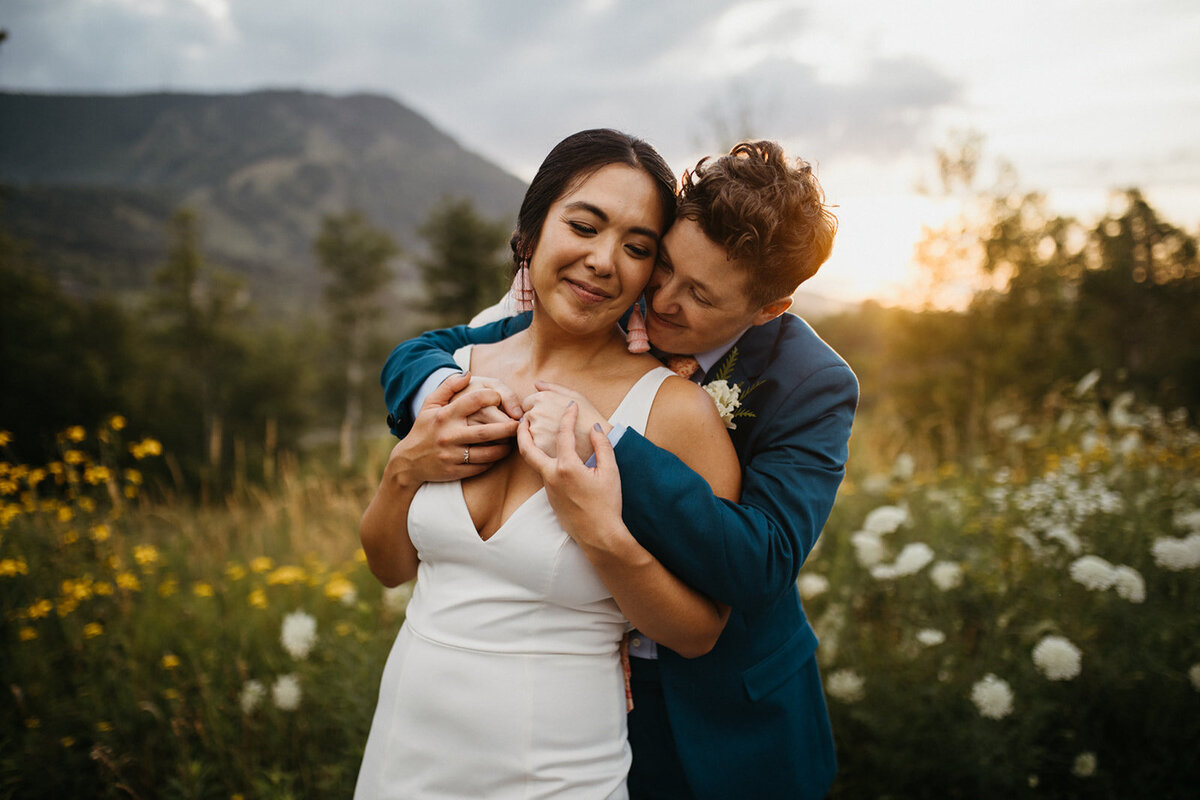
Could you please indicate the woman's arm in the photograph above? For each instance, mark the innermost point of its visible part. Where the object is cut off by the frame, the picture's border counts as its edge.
(425, 455)
(588, 505)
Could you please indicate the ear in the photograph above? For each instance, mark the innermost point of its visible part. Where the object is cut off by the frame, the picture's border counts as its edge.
(772, 310)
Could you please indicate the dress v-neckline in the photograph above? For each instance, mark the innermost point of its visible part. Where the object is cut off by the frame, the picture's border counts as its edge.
(516, 511)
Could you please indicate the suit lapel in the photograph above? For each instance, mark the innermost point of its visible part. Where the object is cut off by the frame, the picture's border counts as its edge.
(754, 350)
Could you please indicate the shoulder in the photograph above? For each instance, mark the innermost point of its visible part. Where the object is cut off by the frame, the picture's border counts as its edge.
(684, 420)
(790, 353)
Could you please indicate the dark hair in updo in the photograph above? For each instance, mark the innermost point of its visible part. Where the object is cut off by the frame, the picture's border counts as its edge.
(572, 161)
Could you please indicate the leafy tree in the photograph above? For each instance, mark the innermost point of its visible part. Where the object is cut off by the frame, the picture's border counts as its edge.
(467, 268)
(355, 256)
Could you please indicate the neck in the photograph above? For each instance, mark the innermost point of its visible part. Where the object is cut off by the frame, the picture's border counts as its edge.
(551, 345)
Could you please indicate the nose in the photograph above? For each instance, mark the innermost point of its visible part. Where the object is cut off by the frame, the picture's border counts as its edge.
(601, 257)
(662, 295)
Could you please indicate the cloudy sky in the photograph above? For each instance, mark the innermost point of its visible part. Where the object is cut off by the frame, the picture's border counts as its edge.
(1082, 96)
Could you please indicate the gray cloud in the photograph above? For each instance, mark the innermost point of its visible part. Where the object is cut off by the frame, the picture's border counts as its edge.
(507, 80)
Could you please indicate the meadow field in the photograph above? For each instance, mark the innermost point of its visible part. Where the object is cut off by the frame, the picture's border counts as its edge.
(1023, 624)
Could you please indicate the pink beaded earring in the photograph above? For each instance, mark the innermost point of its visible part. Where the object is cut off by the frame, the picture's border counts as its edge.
(522, 288)
(635, 332)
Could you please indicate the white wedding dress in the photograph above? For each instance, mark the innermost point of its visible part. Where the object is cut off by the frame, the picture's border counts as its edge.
(505, 680)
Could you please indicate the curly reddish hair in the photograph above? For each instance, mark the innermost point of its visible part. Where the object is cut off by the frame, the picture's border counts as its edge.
(768, 213)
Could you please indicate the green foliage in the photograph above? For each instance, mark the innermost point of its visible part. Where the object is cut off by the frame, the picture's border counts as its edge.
(467, 269)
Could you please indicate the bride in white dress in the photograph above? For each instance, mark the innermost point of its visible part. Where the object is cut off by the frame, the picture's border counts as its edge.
(505, 680)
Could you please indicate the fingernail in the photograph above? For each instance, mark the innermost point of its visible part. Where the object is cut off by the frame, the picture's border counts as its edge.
(597, 427)
(571, 403)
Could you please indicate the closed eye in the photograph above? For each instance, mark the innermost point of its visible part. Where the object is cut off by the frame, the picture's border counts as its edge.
(582, 228)
(639, 251)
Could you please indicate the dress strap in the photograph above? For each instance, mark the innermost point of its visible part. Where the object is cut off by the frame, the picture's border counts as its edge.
(635, 407)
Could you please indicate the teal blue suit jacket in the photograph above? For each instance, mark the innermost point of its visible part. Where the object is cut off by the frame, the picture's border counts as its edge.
(749, 718)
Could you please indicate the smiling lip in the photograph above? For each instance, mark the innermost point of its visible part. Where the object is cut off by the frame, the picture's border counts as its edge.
(588, 293)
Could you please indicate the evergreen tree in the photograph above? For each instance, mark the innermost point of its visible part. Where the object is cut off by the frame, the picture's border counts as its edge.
(467, 268)
(355, 256)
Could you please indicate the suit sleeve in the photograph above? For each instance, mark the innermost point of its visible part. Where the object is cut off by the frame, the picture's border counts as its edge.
(746, 554)
(411, 362)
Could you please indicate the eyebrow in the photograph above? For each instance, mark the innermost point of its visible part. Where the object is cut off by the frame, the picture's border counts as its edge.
(581, 205)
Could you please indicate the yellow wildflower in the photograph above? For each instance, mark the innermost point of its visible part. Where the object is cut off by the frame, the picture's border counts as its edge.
(146, 555)
(9, 512)
(74, 457)
(65, 514)
(151, 447)
(116, 422)
(339, 588)
(66, 605)
(36, 476)
(133, 476)
(76, 433)
(5, 438)
(258, 598)
(13, 566)
(87, 504)
(9, 486)
(130, 492)
(67, 741)
(27, 634)
(103, 588)
(80, 589)
(235, 572)
(33, 722)
(202, 589)
(55, 467)
(40, 608)
(97, 474)
(261, 564)
(360, 556)
(70, 536)
(92, 630)
(286, 575)
(170, 661)
(129, 582)
(104, 727)
(171, 694)
(343, 628)
(100, 533)
(168, 587)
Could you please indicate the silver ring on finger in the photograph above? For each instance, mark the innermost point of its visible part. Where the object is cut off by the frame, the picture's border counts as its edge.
(467, 455)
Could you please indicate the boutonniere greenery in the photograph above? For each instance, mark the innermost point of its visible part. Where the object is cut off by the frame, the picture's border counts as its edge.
(729, 396)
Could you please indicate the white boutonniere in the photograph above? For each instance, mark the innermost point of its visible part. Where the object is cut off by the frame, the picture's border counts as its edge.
(728, 396)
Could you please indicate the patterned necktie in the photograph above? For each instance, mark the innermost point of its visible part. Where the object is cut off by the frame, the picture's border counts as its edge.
(683, 366)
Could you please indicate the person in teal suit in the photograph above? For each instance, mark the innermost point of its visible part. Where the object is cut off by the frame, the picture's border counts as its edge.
(748, 719)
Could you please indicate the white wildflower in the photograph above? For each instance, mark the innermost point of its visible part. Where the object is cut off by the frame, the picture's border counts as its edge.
(1194, 676)
(1085, 765)
(885, 519)
(1003, 423)
(1057, 658)
(727, 398)
(1093, 572)
(1021, 434)
(1087, 382)
(845, 685)
(993, 697)
(1119, 413)
(1064, 535)
(396, 598)
(1177, 554)
(1188, 520)
(913, 558)
(286, 692)
(811, 585)
(930, 637)
(252, 695)
(1130, 443)
(884, 572)
(868, 548)
(946, 575)
(903, 467)
(1130, 584)
(299, 634)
